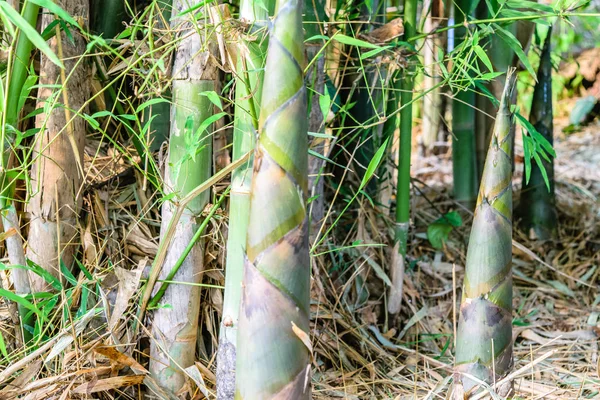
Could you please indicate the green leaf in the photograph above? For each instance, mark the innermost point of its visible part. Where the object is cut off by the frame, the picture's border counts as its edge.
(374, 52)
(439, 230)
(214, 98)
(55, 9)
(29, 31)
(514, 44)
(484, 57)
(374, 164)
(542, 168)
(26, 89)
(3, 347)
(527, 150)
(67, 273)
(19, 300)
(149, 103)
(354, 42)
(324, 104)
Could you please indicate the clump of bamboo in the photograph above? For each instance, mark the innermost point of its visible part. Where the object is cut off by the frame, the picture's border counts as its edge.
(484, 336)
(537, 208)
(174, 328)
(57, 172)
(273, 356)
(249, 83)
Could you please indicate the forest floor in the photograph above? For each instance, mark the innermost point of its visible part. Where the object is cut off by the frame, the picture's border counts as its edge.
(556, 301)
(359, 352)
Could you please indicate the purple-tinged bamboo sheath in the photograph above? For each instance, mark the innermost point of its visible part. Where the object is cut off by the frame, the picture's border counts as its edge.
(484, 336)
(175, 328)
(273, 361)
(537, 208)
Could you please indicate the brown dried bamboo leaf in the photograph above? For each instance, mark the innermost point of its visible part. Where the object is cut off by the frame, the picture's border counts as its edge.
(20, 381)
(120, 358)
(128, 285)
(194, 373)
(103, 385)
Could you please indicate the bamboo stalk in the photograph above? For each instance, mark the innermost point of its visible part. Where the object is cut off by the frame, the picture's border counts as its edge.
(249, 83)
(10, 219)
(273, 354)
(484, 336)
(56, 173)
(464, 157)
(404, 153)
(537, 208)
(174, 329)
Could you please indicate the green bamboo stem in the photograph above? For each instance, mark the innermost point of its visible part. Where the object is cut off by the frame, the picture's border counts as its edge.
(273, 360)
(249, 83)
(404, 153)
(174, 329)
(464, 157)
(537, 208)
(484, 336)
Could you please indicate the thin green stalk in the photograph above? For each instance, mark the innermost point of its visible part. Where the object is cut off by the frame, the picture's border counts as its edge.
(537, 208)
(404, 153)
(273, 357)
(249, 84)
(163, 288)
(464, 161)
(484, 335)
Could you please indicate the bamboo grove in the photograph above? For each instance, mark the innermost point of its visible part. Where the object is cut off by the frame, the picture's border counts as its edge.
(259, 126)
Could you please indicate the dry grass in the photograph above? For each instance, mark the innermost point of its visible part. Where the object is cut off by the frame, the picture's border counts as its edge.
(359, 353)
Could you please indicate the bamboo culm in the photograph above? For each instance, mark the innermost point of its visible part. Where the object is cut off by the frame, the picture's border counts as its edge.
(273, 360)
(484, 336)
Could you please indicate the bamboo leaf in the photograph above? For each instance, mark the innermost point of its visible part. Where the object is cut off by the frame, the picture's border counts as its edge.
(214, 98)
(354, 42)
(30, 32)
(55, 9)
(483, 57)
(374, 164)
(19, 300)
(514, 44)
(374, 52)
(527, 150)
(324, 104)
(149, 103)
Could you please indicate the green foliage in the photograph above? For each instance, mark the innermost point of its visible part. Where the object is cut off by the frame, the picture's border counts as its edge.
(439, 230)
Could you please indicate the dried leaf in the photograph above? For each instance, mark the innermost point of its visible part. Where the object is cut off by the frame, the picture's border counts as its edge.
(103, 385)
(120, 358)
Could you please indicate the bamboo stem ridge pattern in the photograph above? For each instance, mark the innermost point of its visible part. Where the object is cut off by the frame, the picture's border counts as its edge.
(484, 336)
(273, 361)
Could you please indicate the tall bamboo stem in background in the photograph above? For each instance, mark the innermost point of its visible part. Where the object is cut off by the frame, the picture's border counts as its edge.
(273, 360)
(432, 101)
(502, 57)
(484, 336)
(10, 219)
(404, 152)
(537, 208)
(174, 329)
(464, 157)
(249, 83)
(57, 174)
(314, 16)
